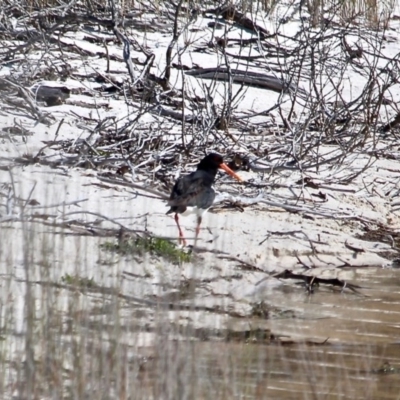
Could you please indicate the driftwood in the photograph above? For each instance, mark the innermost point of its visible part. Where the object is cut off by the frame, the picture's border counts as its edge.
(311, 281)
(9, 88)
(247, 78)
(391, 124)
(353, 53)
(165, 112)
(230, 12)
(51, 95)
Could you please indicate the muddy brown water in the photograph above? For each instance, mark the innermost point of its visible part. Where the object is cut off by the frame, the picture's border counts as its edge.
(330, 344)
(344, 346)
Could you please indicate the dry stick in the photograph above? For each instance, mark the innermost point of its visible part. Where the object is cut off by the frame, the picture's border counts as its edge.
(58, 130)
(292, 233)
(351, 177)
(146, 68)
(138, 300)
(63, 204)
(264, 112)
(271, 169)
(29, 197)
(162, 111)
(183, 107)
(304, 210)
(227, 107)
(393, 123)
(301, 262)
(321, 99)
(242, 262)
(91, 147)
(12, 218)
(126, 51)
(232, 99)
(175, 37)
(46, 119)
(10, 199)
(353, 248)
(100, 216)
(336, 189)
(108, 57)
(248, 78)
(162, 196)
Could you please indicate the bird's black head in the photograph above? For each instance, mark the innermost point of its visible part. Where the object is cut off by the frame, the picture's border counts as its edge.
(211, 162)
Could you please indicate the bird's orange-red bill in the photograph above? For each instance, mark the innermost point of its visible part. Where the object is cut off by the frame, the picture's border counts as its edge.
(230, 172)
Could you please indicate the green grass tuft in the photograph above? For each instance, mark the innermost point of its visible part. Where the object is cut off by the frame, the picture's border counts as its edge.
(78, 281)
(155, 246)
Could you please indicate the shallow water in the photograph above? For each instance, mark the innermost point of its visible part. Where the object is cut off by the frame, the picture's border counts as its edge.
(79, 323)
(342, 346)
(300, 371)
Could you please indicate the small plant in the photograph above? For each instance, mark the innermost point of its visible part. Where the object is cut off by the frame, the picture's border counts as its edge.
(155, 246)
(78, 281)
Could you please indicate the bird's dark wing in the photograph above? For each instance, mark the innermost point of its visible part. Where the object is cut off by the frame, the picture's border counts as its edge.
(192, 190)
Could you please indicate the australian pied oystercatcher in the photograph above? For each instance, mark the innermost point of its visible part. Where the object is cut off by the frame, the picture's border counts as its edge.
(193, 193)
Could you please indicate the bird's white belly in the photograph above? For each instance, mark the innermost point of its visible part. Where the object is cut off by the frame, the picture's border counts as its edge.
(194, 210)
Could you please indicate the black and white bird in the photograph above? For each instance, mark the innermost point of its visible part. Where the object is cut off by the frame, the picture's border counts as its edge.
(193, 193)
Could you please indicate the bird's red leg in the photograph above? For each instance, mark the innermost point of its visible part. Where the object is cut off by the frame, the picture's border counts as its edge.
(199, 219)
(181, 237)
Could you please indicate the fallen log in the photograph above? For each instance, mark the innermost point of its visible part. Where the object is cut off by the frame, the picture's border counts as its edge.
(248, 78)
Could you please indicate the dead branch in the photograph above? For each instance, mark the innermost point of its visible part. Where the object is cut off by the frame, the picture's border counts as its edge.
(251, 79)
(44, 118)
(230, 13)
